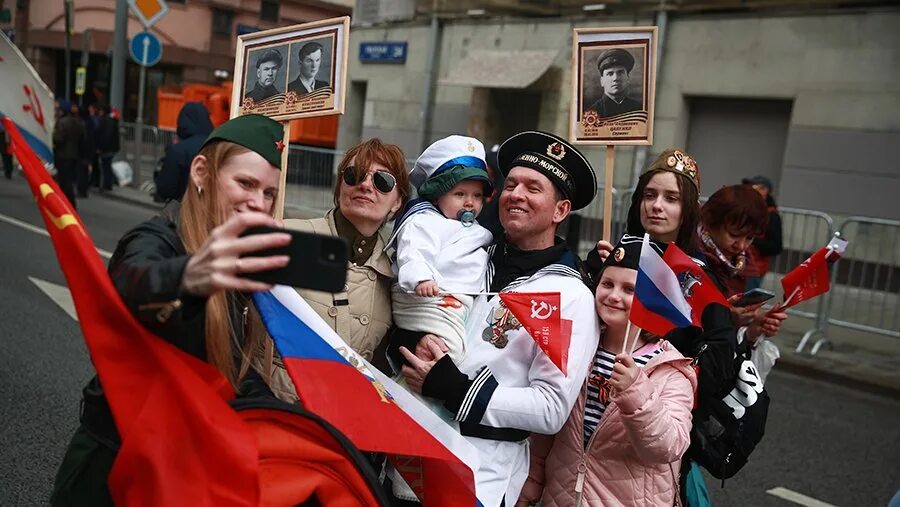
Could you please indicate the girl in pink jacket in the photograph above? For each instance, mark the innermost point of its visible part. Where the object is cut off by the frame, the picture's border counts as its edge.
(623, 441)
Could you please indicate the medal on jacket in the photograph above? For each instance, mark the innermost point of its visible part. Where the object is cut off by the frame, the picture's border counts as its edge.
(498, 326)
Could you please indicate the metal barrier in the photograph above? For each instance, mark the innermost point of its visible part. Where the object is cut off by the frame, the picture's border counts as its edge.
(143, 150)
(865, 285)
(803, 232)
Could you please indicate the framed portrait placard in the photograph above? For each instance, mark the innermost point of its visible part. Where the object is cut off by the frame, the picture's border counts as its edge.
(292, 72)
(613, 76)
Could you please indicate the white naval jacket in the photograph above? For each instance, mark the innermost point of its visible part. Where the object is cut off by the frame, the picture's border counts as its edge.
(517, 387)
(431, 246)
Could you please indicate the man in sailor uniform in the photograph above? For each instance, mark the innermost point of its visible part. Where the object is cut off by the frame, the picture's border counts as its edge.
(505, 387)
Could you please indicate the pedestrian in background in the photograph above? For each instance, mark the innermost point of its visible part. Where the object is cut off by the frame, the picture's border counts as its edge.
(107, 144)
(87, 152)
(769, 244)
(68, 135)
(193, 127)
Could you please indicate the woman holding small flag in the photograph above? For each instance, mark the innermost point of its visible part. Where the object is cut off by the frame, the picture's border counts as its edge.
(623, 442)
(729, 221)
(180, 275)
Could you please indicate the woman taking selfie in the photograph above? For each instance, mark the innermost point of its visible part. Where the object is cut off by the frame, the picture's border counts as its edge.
(182, 276)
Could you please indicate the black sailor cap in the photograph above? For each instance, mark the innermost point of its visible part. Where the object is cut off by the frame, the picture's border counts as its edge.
(554, 157)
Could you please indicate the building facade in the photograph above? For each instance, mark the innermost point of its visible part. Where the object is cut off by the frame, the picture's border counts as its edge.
(198, 38)
(806, 97)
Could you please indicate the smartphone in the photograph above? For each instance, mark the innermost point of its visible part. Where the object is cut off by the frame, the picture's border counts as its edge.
(753, 297)
(317, 262)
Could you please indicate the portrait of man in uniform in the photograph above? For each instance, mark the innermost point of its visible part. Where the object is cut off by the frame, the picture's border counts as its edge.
(268, 65)
(309, 63)
(618, 95)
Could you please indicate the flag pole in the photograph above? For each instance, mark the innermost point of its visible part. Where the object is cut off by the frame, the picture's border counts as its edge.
(607, 193)
(627, 333)
(282, 184)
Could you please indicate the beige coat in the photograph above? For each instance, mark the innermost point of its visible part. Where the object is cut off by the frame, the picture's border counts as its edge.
(362, 323)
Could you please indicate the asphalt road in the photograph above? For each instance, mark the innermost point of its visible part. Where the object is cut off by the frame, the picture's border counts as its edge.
(823, 441)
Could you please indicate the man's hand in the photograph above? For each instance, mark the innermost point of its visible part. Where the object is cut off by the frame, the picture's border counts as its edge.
(624, 373)
(423, 351)
(417, 370)
(428, 288)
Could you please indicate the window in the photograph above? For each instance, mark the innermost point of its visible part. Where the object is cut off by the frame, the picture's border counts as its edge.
(222, 22)
(269, 10)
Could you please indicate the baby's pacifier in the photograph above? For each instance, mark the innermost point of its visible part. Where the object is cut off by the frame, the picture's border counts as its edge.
(466, 216)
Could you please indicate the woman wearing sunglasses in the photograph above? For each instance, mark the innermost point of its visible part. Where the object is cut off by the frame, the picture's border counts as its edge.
(372, 185)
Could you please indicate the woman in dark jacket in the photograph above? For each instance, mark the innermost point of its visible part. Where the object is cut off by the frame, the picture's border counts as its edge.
(180, 274)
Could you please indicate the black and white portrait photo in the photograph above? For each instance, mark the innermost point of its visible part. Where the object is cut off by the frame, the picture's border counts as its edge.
(311, 65)
(266, 76)
(613, 85)
(617, 85)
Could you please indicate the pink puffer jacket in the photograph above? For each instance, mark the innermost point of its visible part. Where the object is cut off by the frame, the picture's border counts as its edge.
(634, 456)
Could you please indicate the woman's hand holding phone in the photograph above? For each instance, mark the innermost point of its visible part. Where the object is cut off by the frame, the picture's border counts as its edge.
(219, 264)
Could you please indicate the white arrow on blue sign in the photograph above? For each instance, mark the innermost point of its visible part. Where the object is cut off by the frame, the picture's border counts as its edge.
(146, 49)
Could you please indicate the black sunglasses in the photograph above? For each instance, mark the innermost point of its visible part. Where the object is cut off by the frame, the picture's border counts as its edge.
(384, 181)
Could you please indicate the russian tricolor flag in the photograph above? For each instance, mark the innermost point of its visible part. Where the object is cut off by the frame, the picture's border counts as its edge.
(659, 305)
(375, 413)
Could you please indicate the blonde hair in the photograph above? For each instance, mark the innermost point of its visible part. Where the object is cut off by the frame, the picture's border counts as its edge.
(201, 212)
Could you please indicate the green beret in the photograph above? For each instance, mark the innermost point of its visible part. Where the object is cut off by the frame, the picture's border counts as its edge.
(255, 132)
(615, 57)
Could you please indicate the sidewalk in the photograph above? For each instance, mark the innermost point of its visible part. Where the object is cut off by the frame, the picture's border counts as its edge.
(854, 359)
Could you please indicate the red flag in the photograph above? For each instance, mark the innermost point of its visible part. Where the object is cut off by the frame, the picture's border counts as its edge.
(181, 442)
(539, 313)
(807, 280)
(697, 286)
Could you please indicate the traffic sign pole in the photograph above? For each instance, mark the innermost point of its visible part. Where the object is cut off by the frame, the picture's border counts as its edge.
(146, 51)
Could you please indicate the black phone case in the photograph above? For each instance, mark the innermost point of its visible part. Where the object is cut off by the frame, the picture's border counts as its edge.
(317, 262)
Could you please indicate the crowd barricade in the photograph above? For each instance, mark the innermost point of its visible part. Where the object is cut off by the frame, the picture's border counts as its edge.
(803, 232)
(865, 284)
(142, 150)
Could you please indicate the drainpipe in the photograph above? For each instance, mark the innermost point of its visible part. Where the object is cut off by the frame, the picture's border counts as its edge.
(662, 23)
(434, 41)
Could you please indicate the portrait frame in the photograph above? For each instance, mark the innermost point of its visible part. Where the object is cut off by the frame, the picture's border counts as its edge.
(597, 117)
(322, 93)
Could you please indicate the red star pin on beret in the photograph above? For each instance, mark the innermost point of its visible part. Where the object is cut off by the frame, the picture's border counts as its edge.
(279, 145)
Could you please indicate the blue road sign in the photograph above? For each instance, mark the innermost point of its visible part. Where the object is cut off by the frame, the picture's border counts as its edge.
(146, 49)
(382, 52)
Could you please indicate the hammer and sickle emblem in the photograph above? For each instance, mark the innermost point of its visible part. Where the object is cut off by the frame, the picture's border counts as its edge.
(542, 311)
(64, 219)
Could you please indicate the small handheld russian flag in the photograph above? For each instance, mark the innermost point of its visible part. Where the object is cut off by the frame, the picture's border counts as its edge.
(659, 305)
